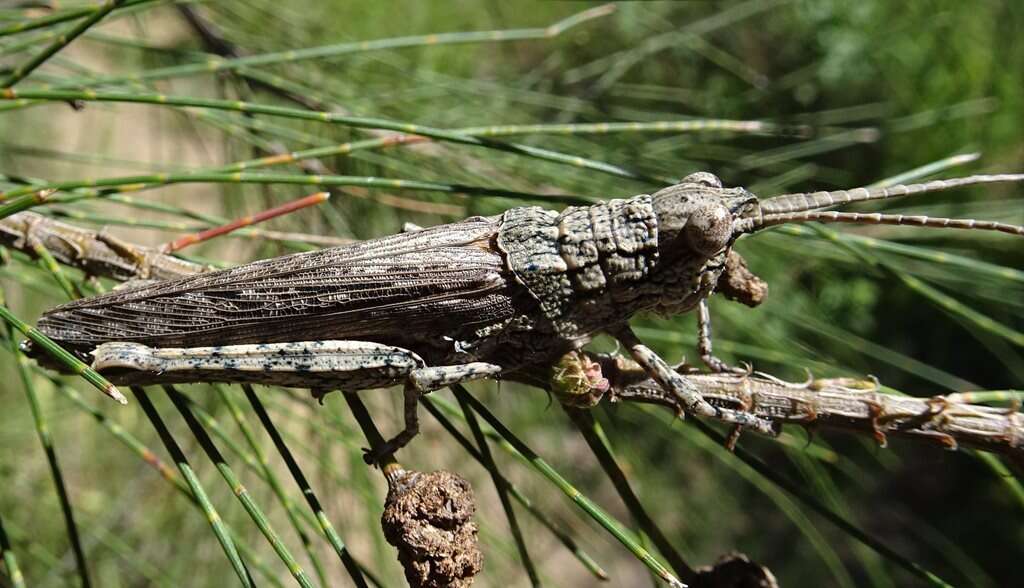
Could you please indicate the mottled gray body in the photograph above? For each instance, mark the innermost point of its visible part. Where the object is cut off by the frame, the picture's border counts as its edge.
(503, 296)
(516, 291)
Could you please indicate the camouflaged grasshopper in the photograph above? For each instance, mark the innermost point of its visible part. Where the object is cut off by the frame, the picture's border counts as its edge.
(487, 297)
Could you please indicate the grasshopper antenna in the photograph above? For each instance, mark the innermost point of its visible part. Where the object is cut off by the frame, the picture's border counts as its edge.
(818, 200)
(826, 216)
(807, 207)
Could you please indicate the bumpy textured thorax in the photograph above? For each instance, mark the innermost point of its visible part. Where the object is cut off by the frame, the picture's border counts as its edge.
(583, 255)
(593, 267)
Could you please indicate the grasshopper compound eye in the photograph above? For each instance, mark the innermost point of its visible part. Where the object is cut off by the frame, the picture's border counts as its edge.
(708, 229)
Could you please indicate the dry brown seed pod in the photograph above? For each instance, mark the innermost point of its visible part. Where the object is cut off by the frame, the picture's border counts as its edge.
(428, 517)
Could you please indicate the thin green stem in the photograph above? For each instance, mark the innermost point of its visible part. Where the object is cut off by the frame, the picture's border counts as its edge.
(959, 262)
(402, 139)
(789, 507)
(151, 574)
(820, 483)
(568, 541)
(165, 471)
(50, 264)
(387, 462)
(1013, 396)
(45, 438)
(314, 503)
(10, 560)
(959, 309)
(60, 42)
(252, 463)
(503, 495)
(927, 170)
(271, 477)
(604, 128)
(70, 362)
(817, 506)
(940, 299)
(220, 529)
(56, 18)
(601, 447)
(588, 506)
(21, 199)
(216, 64)
(237, 488)
(358, 122)
(131, 442)
(301, 241)
(1012, 483)
(498, 131)
(27, 42)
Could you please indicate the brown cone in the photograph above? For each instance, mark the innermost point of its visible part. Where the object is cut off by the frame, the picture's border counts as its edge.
(428, 517)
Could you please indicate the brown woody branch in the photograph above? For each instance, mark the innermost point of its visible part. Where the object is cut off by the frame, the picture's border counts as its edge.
(94, 252)
(832, 403)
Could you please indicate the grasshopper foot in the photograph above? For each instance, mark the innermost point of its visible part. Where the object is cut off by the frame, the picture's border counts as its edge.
(687, 395)
(383, 452)
(704, 344)
(720, 367)
(380, 455)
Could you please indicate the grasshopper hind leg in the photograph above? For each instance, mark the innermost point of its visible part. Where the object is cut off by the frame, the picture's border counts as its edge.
(349, 365)
(319, 365)
(422, 381)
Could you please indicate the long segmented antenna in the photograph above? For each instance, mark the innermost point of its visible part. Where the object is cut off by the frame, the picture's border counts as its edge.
(752, 224)
(788, 203)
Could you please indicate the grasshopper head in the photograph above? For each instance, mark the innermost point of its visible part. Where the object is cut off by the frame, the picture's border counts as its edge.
(699, 216)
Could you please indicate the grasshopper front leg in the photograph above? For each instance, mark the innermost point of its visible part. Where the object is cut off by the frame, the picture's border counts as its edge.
(739, 284)
(704, 347)
(688, 396)
(321, 365)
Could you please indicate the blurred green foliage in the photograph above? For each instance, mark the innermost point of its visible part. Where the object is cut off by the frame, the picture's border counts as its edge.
(883, 87)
